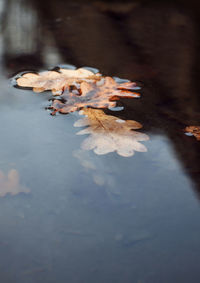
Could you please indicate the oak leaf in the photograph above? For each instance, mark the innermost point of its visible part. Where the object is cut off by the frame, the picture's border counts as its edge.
(109, 133)
(56, 81)
(194, 130)
(102, 94)
(10, 184)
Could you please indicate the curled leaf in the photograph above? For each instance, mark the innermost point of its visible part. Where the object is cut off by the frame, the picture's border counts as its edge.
(109, 133)
(10, 184)
(194, 130)
(102, 94)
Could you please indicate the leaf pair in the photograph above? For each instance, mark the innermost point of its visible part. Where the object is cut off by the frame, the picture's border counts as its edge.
(78, 88)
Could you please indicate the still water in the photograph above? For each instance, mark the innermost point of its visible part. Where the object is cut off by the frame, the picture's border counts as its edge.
(106, 218)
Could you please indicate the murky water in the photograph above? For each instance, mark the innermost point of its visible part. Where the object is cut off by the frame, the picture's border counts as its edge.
(91, 218)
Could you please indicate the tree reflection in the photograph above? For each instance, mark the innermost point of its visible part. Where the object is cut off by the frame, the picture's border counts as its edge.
(156, 43)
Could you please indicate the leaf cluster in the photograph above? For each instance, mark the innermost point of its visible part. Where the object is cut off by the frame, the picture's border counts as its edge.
(82, 89)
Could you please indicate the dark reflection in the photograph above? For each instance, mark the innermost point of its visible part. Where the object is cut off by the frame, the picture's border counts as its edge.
(156, 43)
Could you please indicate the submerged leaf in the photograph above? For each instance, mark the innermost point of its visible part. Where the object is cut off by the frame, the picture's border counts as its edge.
(109, 133)
(194, 130)
(10, 184)
(56, 81)
(98, 95)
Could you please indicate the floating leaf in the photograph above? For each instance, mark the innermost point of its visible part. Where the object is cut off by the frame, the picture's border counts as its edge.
(98, 95)
(109, 133)
(10, 184)
(194, 130)
(56, 81)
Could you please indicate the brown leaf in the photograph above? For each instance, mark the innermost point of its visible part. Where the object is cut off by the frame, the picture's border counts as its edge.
(101, 94)
(56, 81)
(10, 184)
(109, 133)
(195, 130)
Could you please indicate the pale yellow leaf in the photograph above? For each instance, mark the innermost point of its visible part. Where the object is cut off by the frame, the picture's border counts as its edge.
(55, 81)
(109, 133)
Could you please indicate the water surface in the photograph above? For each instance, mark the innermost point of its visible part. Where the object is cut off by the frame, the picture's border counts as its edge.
(107, 218)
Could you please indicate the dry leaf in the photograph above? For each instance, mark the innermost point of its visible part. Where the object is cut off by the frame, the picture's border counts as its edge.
(10, 184)
(195, 130)
(109, 133)
(78, 88)
(98, 95)
(56, 81)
